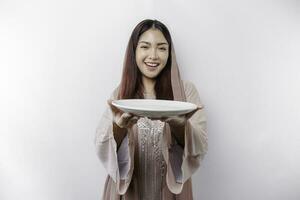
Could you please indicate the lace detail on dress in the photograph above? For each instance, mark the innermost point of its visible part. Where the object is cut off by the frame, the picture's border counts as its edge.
(151, 163)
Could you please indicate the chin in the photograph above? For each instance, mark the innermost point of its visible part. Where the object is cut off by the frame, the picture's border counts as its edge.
(151, 77)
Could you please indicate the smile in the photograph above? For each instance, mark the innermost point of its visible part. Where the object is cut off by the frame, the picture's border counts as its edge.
(151, 64)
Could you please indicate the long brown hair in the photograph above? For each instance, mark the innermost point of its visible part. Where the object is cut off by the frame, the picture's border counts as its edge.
(131, 86)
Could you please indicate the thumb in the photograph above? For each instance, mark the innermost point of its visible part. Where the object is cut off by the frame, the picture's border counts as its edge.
(190, 114)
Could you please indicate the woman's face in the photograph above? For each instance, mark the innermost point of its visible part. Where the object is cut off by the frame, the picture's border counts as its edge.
(152, 53)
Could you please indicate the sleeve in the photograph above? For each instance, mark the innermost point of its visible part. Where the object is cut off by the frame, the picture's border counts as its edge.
(183, 162)
(118, 163)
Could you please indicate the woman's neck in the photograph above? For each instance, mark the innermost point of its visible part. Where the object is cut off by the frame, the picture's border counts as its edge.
(149, 85)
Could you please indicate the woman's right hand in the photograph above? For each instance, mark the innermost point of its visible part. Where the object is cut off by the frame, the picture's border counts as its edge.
(122, 119)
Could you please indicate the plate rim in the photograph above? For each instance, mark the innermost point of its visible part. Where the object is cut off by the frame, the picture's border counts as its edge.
(193, 106)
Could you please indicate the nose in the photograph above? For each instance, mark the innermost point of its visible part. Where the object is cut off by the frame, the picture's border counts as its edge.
(153, 54)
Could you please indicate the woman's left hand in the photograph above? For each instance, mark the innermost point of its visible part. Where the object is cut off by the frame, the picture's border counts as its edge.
(180, 120)
(175, 121)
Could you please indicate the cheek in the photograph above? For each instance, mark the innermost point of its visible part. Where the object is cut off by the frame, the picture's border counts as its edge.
(140, 57)
(140, 61)
(164, 57)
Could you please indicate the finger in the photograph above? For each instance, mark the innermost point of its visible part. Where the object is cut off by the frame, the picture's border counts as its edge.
(120, 123)
(168, 119)
(133, 120)
(124, 119)
(177, 120)
(127, 116)
(200, 107)
(172, 118)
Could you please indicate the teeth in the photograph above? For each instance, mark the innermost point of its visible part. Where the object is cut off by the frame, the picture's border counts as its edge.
(152, 64)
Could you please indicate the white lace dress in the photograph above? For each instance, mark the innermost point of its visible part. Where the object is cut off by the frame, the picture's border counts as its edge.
(151, 170)
(151, 163)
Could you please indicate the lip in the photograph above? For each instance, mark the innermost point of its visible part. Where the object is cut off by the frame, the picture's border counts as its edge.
(151, 68)
(152, 63)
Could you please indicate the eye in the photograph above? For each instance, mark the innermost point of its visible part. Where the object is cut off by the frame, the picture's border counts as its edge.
(163, 48)
(144, 47)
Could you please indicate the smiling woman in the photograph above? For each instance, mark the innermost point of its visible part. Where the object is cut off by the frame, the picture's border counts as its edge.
(146, 158)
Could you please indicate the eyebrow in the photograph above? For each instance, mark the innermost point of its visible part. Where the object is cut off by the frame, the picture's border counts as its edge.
(160, 43)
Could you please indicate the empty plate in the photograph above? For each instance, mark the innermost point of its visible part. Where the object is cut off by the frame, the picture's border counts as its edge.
(154, 107)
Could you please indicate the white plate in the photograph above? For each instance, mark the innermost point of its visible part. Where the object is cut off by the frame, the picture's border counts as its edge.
(154, 108)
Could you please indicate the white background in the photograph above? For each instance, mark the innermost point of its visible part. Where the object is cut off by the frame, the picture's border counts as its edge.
(60, 60)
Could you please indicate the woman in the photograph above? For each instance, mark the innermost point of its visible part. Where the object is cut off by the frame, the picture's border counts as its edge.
(147, 158)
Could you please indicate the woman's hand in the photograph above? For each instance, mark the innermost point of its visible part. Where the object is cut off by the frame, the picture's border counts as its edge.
(180, 120)
(175, 121)
(122, 119)
(177, 125)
